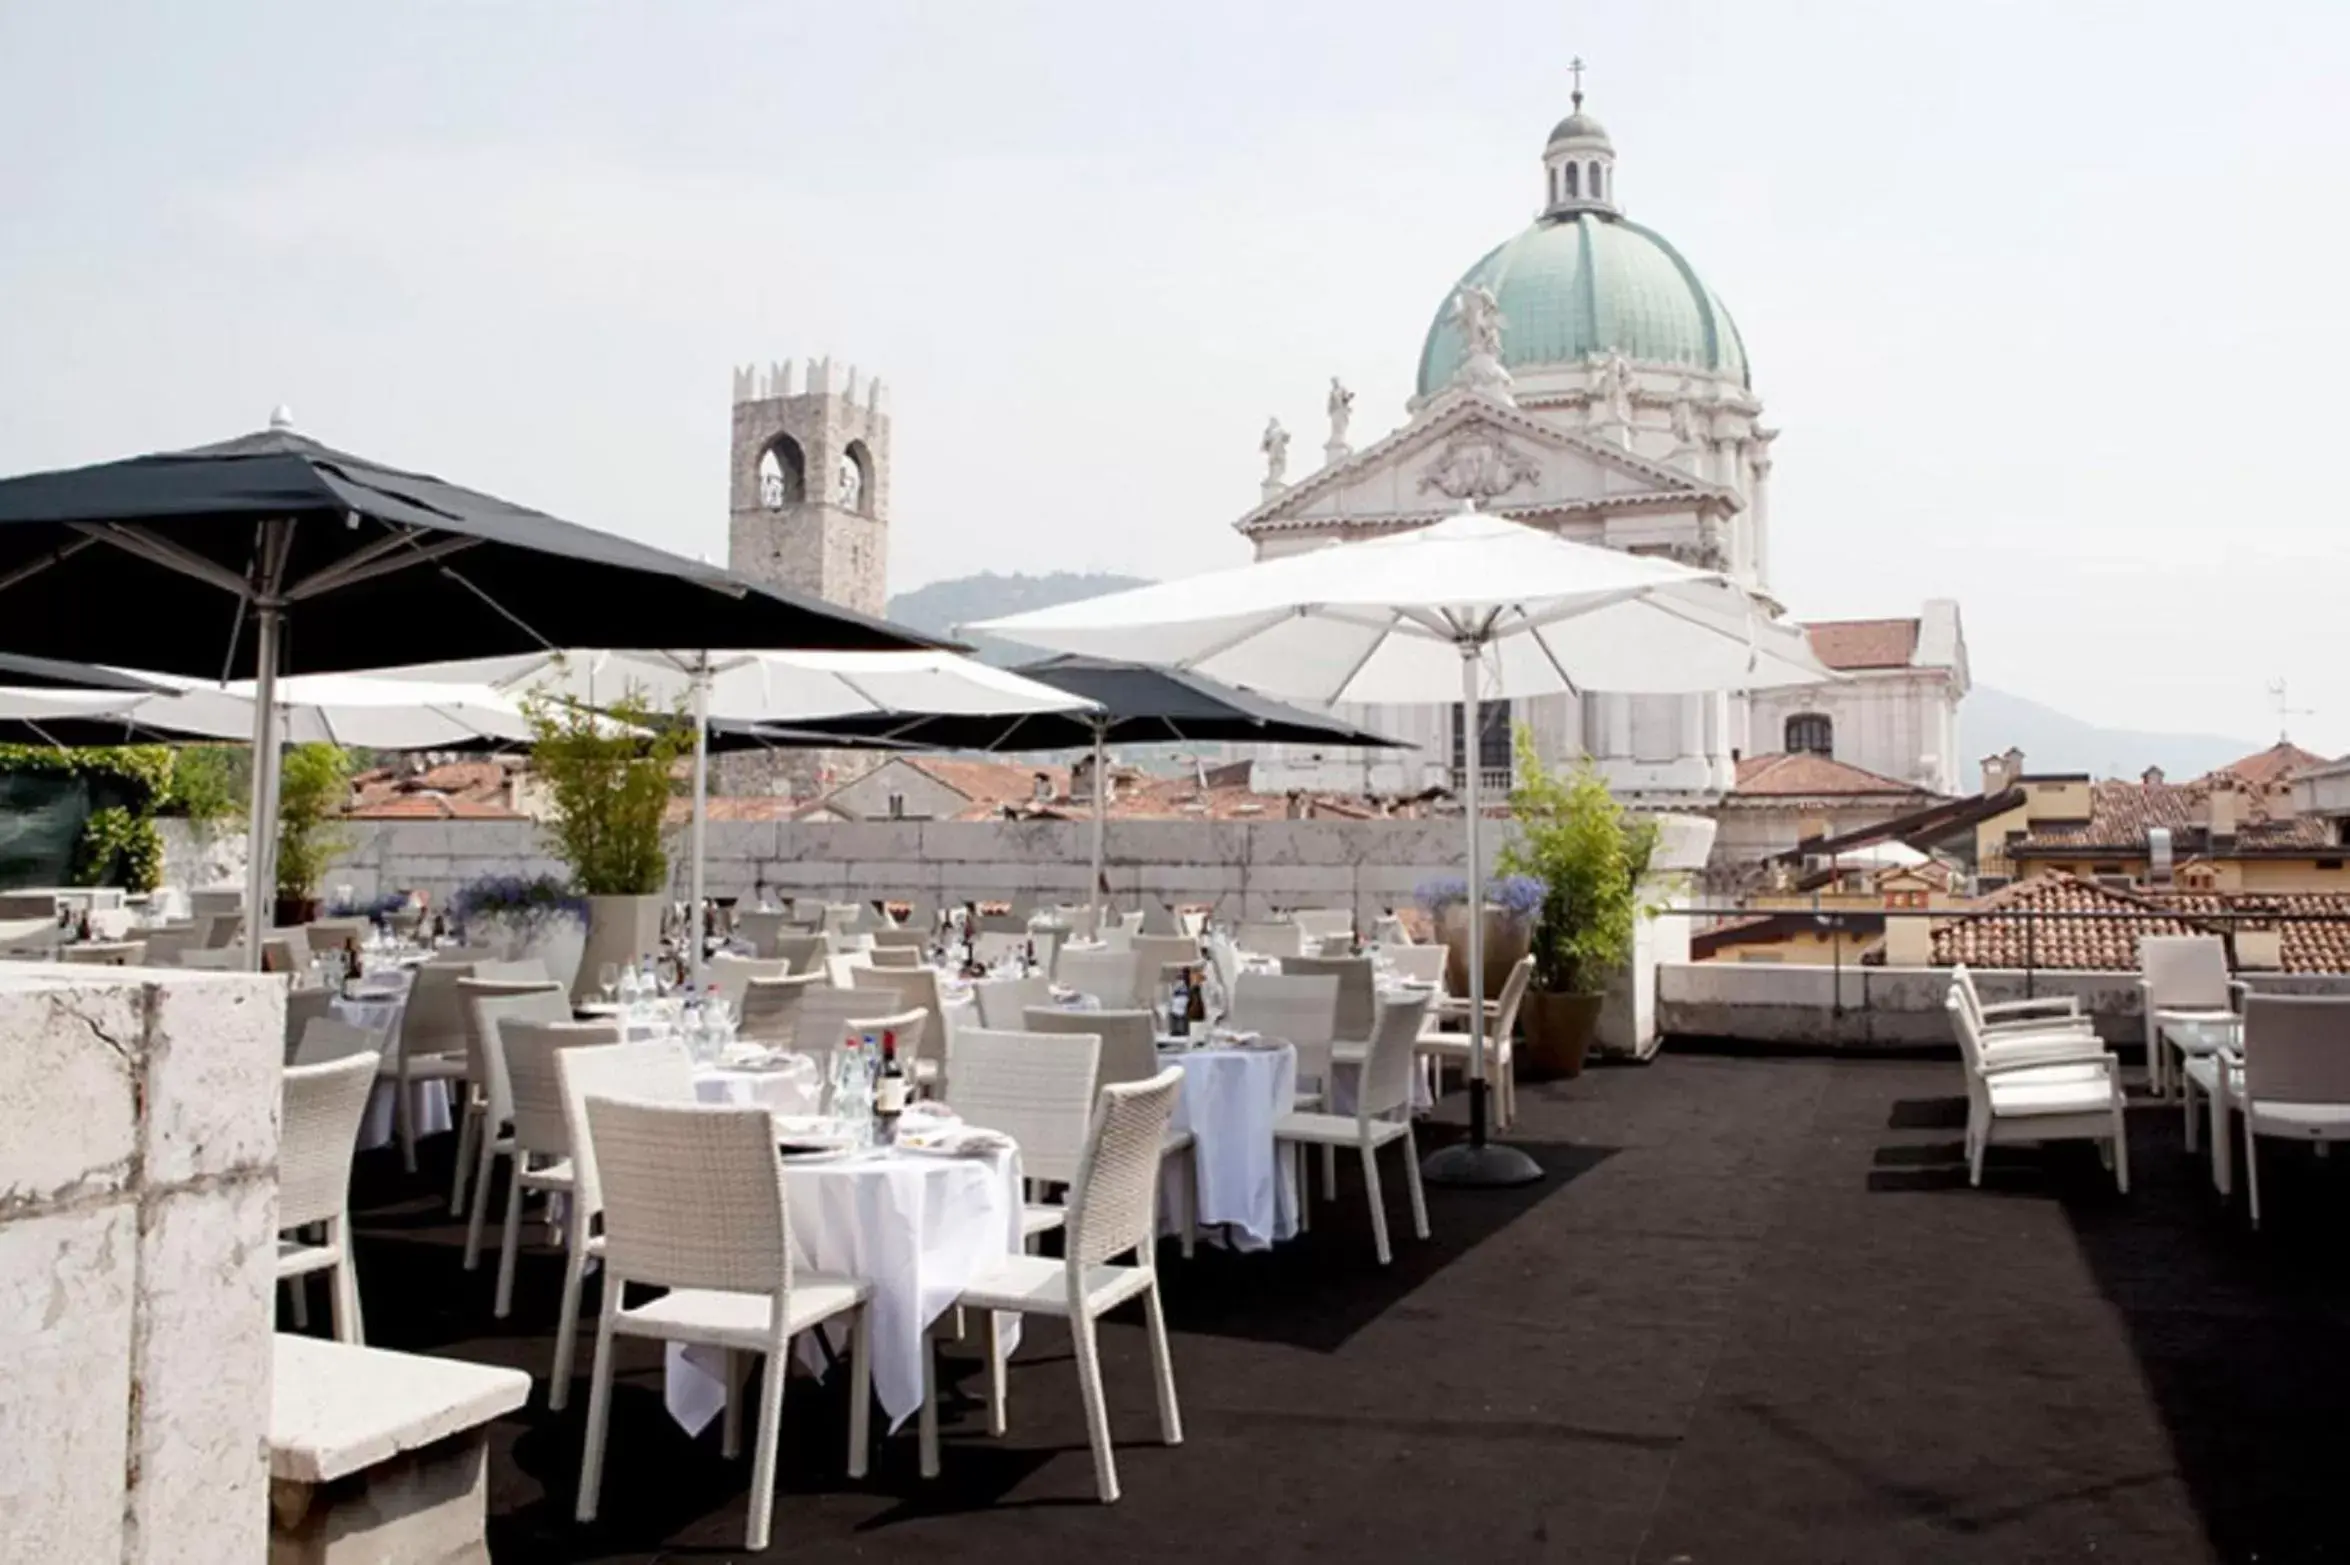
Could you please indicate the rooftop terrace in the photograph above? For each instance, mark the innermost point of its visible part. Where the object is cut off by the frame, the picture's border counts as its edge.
(1752, 1315)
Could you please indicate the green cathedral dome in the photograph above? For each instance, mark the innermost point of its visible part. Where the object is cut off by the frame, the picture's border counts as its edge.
(1583, 281)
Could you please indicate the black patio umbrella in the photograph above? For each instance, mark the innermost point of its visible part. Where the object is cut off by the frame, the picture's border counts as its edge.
(342, 564)
(1140, 704)
(25, 673)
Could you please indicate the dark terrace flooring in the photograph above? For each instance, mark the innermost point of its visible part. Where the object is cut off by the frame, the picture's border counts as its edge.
(1752, 1315)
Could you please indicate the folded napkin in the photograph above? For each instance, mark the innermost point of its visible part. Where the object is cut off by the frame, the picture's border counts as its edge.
(953, 1139)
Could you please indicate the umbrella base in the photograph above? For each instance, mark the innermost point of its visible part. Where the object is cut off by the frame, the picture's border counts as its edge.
(1488, 1165)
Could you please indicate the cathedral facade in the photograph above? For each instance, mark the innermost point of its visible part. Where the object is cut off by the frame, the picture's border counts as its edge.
(1582, 378)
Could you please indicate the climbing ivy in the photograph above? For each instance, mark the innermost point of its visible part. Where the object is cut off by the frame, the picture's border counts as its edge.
(119, 844)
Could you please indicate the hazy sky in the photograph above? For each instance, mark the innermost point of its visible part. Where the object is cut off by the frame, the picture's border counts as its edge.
(2046, 297)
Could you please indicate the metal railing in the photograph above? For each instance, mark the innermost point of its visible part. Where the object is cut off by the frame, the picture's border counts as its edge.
(1493, 781)
(1834, 921)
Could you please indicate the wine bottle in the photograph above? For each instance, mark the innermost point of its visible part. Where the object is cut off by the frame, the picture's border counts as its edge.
(889, 1091)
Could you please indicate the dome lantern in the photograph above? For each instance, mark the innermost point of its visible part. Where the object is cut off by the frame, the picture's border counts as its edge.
(1579, 162)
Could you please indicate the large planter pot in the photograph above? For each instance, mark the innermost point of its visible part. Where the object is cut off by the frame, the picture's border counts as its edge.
(1507, 938)
(620, 929)
(558, 944)
(290, 911)
(1558, 1029)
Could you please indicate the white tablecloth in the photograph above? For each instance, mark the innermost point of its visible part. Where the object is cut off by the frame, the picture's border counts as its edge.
(1231, 1097)
(796, 1087)
(917, 1226)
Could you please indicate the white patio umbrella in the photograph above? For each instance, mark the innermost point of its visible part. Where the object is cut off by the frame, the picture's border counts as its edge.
(764, 688)
(1473, 608)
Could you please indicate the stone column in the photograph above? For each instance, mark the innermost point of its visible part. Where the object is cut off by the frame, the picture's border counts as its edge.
(138, 1216)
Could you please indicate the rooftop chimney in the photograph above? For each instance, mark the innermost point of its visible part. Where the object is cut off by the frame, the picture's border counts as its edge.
(2001, 771)
(2223, 805)
(2151, 777)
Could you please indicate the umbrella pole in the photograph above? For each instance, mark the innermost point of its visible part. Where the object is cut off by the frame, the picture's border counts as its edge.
(261, 822)
(1476, 1161)
(693, 918)
(1101, 826)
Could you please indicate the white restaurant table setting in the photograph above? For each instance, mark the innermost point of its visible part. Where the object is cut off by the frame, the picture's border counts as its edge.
(918, 1221)
(1232, 1093)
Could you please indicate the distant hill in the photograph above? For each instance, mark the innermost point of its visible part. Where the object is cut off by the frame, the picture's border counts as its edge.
(943, 605)
(1989, 721)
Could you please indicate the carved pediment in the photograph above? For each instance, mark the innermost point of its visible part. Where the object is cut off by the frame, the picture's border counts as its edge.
(1478, 464)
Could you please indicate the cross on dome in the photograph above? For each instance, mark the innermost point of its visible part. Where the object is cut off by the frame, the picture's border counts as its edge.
(1579, 161)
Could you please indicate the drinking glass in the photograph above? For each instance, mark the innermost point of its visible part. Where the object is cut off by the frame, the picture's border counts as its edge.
(608, 980)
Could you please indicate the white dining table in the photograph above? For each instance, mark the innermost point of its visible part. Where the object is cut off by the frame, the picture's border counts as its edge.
(792, 1085)
(918, 1226)
(1231, 1097)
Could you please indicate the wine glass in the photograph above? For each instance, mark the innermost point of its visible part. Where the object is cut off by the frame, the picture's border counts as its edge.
(608, 980)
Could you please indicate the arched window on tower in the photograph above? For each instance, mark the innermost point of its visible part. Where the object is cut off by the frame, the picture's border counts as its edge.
(1573, 185)
(1811, 733)
(783, 474)
(853, 485)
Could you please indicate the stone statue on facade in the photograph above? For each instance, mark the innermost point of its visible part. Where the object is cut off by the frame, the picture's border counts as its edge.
(1275, 445)
(1477, 315)
(1614, 387)
(1341, 406)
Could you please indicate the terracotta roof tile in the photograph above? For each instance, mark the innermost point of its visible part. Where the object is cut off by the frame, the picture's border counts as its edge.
(2121, 814)
(2274, 764)
(1800, 773)
(1981, 940)
(1864, 643)
(431, 807)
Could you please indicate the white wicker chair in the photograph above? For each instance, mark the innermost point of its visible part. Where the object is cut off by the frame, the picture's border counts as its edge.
(1447, 1047)
(329, 1038)
(1153, 955)
(991, 946)
(1300, 1011)
(694, 1203)
(322, 1108)
(1275, 938)
(660, 1072)
(1383, 1115)
(1004, 1002)
(1130, 1052)
(1389, 930)
(1112, 1212)
(304, 1006)
(2181, 978)
(1324, 923)
(490, 1002)
(429, 1045)
(1358, 997)
(805, 952)
(1420, 964)
(915, 989)
(2296, 1083)
(761, 929)
(1109, 976)
(1037, 1088)
(2056, 1088)
(827, 1016)
(770, 1007)
(528, 1052)
(731, 972)
(896, 958)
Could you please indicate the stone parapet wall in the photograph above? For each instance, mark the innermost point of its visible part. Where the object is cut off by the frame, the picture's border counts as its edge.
(1864, 1008)
(138, 1219)
(1241, 869)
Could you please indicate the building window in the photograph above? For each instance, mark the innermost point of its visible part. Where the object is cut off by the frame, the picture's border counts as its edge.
(1811, 733)
(783, 474)
(1572, 188)
(897, 806)
(1493, 738)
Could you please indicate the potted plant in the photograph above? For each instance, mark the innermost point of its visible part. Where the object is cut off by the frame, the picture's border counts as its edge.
(1572, 837)
(314, 783)
(1510, 905)
(526, 916)
(608, 781)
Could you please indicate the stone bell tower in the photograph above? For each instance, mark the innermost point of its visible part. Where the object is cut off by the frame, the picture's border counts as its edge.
(808, 511)
(810, 485)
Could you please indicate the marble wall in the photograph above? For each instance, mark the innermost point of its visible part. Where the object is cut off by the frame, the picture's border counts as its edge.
(138, 1205)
